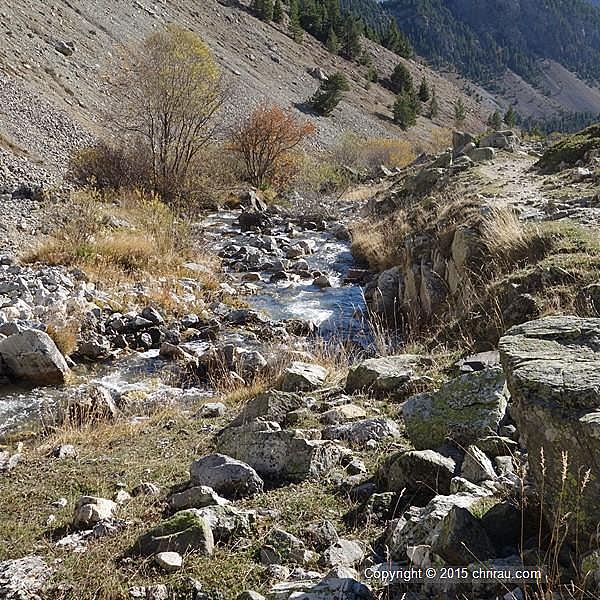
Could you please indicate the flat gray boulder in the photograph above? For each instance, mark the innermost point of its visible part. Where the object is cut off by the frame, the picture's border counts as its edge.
(464, 409)
(225, 475)
(32, 356)
(273, 405)
(303, 377)
(360, 432)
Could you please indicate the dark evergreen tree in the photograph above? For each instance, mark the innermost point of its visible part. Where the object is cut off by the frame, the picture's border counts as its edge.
(495, 121)
(263, 9)
(372, 75)
(295, 23)
(424, 91)
(333, 43)
(510, 118)
(330, 94)
(278, 12)
(406, 109)
(350, 39)
(460, 111)
(396, 41)
(434, 107)
(401, 79)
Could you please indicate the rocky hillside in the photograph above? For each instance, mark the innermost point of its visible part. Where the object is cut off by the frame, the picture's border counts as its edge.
(55, 67)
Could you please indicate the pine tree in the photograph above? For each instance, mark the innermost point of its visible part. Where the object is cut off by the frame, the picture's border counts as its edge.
(401, 79)
(396, 41)
(434, 107)
(330, 94)
(460, 112)
(406, 109)
(333, 43)
(350, 46)
(424, 91)
(495, 121)
(295, 26)
(278, 12)
(510, 118)
(263, 9)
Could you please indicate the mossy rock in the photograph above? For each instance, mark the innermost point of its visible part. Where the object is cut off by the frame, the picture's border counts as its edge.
(183, 532)
(571, 149)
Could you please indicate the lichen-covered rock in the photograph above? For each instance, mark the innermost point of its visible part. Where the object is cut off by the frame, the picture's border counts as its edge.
(226, 521)
(464, 409)
(91, 510)
(23, 578)
(183, 532)
(552, 367)
(422, 472)
(384, 375)
(197, 496)
(278, 454)
(360, 432)
(477, 466)
(303, 377)
(273, 405)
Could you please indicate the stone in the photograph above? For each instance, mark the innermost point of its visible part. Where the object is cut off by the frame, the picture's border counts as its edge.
(212, 410)
(483, 154)
(462, 539)
(384, 375)
(424, 473)
(422, 526)
(552, 367)
(183, 532)
(64, 451)
(90, 510)
(32, 356)
(303, 377)
(226, 521)
(196, 497)
(280, 455)
(322, 281)
(343, 414)
(496, 445)
(385, 295)
(479, 362)
(460, 140)
(464, 409)
(506, 140)
(23, 578)
(226, 475)
(273, 405)
(504, 524)
(321, 535)
(342, 553)
(360, 432)
(476, 466)
(250, 595)
(171, 562)
(93, 405)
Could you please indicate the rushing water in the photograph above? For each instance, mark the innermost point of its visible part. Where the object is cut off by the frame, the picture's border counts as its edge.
(337, 311)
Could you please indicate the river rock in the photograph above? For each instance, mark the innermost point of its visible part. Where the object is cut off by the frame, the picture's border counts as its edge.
(384, 375)
(360, 432)
(226, 475)
(464, 409)
(303, 377)
(552, 367)
(273, 405)
(23, 578)
(280, 454)
(32, 356)
(424, 473)
(183, 532)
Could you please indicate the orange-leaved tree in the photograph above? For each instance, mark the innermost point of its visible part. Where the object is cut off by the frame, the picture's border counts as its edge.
(265, 143)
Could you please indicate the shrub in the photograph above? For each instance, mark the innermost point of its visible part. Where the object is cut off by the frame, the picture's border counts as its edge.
(265, 143)
(170, 79)
(401, 79)
(330, 94)
(406, 109)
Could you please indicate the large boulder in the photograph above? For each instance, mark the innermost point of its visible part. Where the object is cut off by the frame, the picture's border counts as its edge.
(226, 521)
(303, 377)
(91, 510)
(464, 409)
(423, 473)
(280, 454)
(506, 140)
(360, 432)
(385, 375)
(32, 356)
(552, 367)
(184, 532)
(225, 475)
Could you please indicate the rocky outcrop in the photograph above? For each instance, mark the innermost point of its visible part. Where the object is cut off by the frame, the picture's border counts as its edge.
(226, 476)
(552, 367)
(464, 409)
